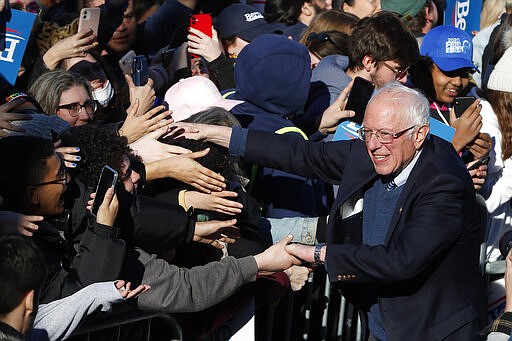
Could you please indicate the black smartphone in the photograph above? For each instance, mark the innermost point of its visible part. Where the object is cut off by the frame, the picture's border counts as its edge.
(362, 91)
(140, 71)
(460, 104)
(108, 179)
(479, 162)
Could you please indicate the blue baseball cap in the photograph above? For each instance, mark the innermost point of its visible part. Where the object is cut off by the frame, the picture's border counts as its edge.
(449, 47)
(242, 21)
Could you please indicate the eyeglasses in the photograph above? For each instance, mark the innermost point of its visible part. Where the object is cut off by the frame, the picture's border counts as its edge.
(61, 181)
(382, 136)
(399, 72)
(74, 109)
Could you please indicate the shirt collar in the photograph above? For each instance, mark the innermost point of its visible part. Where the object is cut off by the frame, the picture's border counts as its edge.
(402, 177)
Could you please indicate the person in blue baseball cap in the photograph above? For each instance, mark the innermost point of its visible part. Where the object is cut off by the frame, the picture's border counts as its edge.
(442, 74)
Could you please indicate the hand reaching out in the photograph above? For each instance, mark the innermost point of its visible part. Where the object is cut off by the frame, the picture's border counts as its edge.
(215, 231)
(216, 201)
(7, 116)
(149, 149)
(185, 169)
(11, 222)
(276, 258)
(127, 293)
(135, 127)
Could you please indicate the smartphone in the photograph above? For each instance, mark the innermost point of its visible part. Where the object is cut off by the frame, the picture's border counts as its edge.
(203, 23)
(362, 91)
(482, 161)
(126, 62)
(140, 71)
(89, 19)
(108, 179)
(460, 104)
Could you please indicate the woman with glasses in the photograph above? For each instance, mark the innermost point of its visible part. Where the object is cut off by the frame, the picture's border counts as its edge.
(66, 95)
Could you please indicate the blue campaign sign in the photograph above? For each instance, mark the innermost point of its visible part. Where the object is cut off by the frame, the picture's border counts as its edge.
(348, 130)
(16, 39)
(464, 14)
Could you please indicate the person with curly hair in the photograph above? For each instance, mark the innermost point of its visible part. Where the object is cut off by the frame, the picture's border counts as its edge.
(149, 225)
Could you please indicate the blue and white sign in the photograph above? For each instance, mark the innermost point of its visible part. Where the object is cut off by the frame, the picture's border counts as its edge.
(348, 130)
(16, 39)
(464, 14)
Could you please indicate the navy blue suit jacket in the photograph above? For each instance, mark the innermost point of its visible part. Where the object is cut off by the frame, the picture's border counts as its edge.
(427, 272)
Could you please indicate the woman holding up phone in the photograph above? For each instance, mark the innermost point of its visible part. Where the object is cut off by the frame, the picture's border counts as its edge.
(444, 74)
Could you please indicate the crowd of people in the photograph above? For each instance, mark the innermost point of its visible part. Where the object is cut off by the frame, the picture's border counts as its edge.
(231, 185)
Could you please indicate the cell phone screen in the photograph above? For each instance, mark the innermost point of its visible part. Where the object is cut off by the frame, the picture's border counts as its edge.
(108, 179)
(362, 91)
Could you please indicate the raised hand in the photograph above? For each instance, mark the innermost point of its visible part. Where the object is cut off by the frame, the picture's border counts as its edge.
(335, 113)
(76, 45)
(135, 127)
(151, 150)
(204, 46)
(144, 94)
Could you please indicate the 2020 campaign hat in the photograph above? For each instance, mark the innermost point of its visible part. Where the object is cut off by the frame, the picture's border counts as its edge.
(242, 21)
(406, 8)
(449, 47)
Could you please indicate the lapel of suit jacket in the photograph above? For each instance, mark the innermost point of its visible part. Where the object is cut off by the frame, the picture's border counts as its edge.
(356, 175)
(428, 149)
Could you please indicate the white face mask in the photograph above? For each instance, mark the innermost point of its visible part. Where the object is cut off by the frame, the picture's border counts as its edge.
(104, 95)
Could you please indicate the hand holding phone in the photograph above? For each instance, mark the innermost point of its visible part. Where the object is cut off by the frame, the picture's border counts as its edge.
(479, 162)
(203, 23)
(461, 104)
(362, 91)
(126, 62)
(140, 73)
(108, 179)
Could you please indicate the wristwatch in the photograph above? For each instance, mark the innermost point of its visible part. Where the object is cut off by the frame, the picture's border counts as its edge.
(316, 255)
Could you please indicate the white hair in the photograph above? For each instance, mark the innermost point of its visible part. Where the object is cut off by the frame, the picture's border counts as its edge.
(415, 105)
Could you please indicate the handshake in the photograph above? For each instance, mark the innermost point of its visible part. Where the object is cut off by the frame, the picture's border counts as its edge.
(283, 255)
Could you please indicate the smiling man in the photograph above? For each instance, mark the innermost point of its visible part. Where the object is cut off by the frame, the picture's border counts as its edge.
(404, 231)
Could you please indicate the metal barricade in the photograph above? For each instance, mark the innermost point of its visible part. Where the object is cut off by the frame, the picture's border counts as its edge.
(111, 327)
